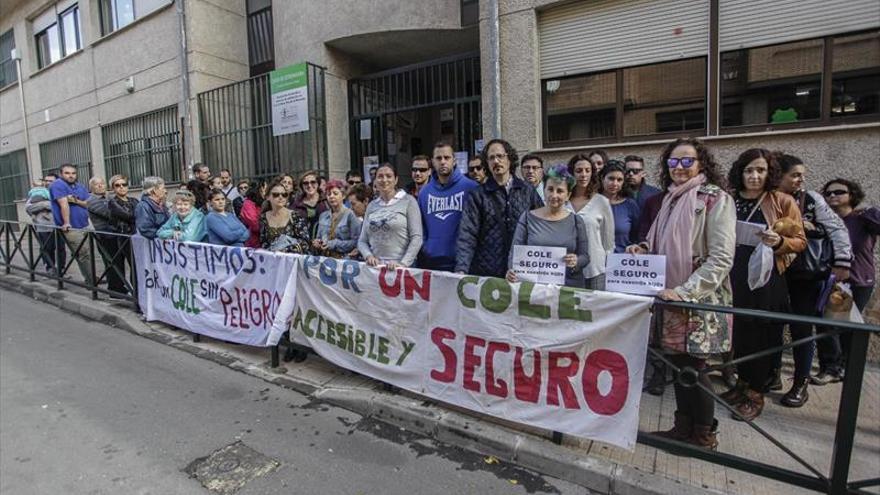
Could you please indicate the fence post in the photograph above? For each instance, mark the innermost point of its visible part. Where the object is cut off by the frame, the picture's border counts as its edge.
(59, 265)
(848, 412)
(91, 238)
(32, 263)
(133, 276)
(7, 231)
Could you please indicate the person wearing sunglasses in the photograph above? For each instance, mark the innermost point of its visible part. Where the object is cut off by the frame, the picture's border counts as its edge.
(242, 188)
(476, 170)
(353, 178)
(695, 229)
(635, 180)
(863, 225)
(282, 230)
(420, 171)
(109, 244)
(828, 251)
(310, 203)
(753, 179)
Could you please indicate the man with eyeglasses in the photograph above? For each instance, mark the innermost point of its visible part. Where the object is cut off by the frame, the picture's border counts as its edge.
(476, 170)
(420, 172)
(491, 213)
(635, 178)
(441, 202)
(533, 173)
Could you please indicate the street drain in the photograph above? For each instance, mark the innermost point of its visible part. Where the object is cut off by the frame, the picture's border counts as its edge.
(226, 470)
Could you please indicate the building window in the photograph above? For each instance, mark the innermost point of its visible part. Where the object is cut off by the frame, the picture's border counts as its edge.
(13, 183)
(261, 39)
(855, 79)
(639, 101)
(145, 145)
(74, 149)
(7, 65)
(116, 14)
(783, 84)
(58, 34)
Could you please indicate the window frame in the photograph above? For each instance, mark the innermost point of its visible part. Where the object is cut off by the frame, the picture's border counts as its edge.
(619, 113)
(63, 50)
(7, 61)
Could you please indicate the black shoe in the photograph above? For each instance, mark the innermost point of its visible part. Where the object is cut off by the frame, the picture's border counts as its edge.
(798, 395)
(728, 376)
(295, 355)
(826, 377)
(774, 382)
(657, 383)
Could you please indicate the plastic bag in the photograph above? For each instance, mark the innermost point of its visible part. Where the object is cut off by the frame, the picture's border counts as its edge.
(760, 266)
(840, 305)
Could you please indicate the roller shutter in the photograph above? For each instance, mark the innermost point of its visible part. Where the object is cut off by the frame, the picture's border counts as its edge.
(597, 35)
(750, 23)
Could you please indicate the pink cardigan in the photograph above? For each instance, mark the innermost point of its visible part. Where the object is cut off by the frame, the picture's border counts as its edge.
(250, 217)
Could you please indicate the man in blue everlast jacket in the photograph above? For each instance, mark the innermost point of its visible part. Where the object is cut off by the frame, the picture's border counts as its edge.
(491, 213)
(441, 202)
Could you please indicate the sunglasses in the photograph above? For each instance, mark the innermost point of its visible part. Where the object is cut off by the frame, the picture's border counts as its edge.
(835, 192)
(280, 194)
(310, 183)
(419, 169)
(474, 169)
(121, 184)
(353, 182)
(684, 162)
(634, 171)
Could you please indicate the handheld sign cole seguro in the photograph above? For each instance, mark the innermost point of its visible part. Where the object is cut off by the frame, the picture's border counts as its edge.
(643, 274)
(541, 264)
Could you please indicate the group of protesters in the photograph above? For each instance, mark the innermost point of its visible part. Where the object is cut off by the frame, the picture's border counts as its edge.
(592, 205)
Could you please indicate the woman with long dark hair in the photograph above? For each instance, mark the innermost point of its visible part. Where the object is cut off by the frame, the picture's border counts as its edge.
(595, 210)
(771, 218)
(281, 230)
(624, 208)
(310, 203)
(695, 229)
(392, 230)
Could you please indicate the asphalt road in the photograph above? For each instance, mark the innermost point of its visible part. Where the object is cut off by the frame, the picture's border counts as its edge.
(89, 409)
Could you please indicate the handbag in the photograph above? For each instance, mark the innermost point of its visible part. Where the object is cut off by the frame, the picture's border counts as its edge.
(815, 261)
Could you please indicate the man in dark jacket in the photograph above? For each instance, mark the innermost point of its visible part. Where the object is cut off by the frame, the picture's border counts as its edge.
(491, 213)
(150, 213)
(441, 202)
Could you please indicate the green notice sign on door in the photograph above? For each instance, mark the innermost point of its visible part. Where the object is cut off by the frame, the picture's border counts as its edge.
(290, 99)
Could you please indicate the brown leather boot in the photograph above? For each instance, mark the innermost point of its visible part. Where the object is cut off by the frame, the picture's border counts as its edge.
(735, 395)
(750, 408)
(682, 428)
(705, 436)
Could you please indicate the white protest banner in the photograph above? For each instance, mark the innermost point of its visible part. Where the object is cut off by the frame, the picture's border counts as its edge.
(290, 99)
(541, 264)
(559, 358)
(228, 293)
(643, 274)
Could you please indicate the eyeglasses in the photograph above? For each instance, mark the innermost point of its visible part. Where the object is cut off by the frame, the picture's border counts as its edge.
(120, 184)
(419, 170)
(685, 162)
(310, 183)
(243, 188)
(531, 167)
(835, 192)
(497, 158)
(634, 171)
(280, 194)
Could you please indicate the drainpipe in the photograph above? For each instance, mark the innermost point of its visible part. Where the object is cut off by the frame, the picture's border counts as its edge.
(27, 136)
(185, 94)
(495, 68)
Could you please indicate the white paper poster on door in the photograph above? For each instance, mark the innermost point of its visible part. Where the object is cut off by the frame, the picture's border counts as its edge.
(290, 99)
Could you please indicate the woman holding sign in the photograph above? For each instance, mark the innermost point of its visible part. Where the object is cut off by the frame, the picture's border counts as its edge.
(595, 210)
(392, 231)
(695, 229)
(553, 225)
(771, 218)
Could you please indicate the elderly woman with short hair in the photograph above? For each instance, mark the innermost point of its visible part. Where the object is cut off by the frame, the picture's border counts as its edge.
(150, 214)
(187, 224)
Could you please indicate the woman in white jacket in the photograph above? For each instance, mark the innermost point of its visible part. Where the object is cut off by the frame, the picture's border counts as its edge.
(595, 210)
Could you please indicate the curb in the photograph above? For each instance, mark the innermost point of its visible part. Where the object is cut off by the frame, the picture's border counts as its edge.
(407, 411)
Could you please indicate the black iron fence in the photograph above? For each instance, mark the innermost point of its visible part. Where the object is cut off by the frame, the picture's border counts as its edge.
(23, 247)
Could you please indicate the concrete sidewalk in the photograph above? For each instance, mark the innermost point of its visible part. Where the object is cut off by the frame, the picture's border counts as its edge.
(808, 431)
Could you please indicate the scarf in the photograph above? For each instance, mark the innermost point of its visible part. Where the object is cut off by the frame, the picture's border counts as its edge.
(671, 231)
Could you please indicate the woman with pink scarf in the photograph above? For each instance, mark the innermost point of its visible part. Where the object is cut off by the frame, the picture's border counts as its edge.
(696, 231)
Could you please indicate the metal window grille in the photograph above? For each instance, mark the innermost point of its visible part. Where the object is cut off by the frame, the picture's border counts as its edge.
(236, 128)
(143, 146)
(74, 149)
(7, 65)
(13, 183)
(261, 44)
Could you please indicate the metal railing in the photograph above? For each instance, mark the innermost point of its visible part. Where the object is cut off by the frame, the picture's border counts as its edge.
(20, 250)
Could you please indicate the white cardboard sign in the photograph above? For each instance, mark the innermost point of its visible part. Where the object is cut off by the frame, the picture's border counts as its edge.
(643, 274)
(541, 264)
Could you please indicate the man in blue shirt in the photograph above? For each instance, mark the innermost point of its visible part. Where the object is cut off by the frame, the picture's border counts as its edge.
(70, 213)
(441, 202)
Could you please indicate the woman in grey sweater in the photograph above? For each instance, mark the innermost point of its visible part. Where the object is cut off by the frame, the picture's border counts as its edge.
(392, 231)
(553, 225)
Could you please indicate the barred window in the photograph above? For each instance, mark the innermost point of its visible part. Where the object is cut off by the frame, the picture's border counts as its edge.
(74, 149)
(7, 65)
(143, 146)
(13, 182)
